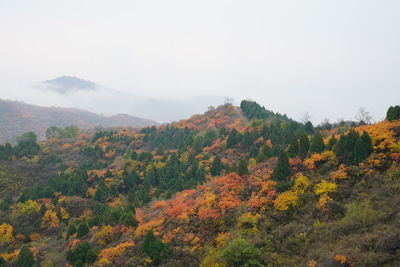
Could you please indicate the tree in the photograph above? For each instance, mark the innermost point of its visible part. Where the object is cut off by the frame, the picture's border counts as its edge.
(282, 171)
(363, 116)
(71, 230)
(366, 139)
(393, 113)
(53, 132)
(362, 149)
(82, 230)
(331, 143)
(360, 153)
(27, 145)
(304, 145)
(155, 248)
(78, 256)
(317, 143)
(6, 233)
(25, 258)
(293, 148)
(242, 168)
(240, 252)
(216, 166)
(71, 131)
(264, 154)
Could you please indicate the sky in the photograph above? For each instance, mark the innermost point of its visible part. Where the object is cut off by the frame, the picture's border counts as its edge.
(324, 57)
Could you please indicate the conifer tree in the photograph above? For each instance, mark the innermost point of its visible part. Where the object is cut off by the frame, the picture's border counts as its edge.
(71, 230)
(216, 166)
(367, 142)
(304, 145)
(242, 168)
(264, 154)
(393, 113)
(155, 248)
(282, 170)
(25, 258)
(317, 143)
(293, 148)
(82, 230)
(360, 152)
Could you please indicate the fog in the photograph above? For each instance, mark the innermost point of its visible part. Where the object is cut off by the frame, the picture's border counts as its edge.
(327, 58)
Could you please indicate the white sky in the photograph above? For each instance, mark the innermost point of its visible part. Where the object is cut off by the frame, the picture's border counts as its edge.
(325, 57)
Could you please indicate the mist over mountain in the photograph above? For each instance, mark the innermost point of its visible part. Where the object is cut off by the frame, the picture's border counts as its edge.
(67, 84)
(17, 118)
(68, 91)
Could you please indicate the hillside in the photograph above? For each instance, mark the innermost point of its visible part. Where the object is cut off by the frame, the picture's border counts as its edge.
(236, 186)
(17, 118)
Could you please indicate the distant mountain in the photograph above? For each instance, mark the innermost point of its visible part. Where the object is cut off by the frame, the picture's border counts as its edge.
(68, 84)
(18, 117)
(74, 92)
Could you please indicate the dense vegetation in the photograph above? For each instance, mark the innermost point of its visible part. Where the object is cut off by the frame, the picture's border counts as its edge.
(233, 187)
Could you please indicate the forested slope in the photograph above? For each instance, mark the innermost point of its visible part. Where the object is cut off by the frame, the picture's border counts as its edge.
(237, 186)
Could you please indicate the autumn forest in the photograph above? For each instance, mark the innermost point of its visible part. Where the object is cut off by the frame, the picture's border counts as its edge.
(235, 186)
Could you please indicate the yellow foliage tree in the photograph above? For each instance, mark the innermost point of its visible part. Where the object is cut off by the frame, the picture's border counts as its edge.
(108, 256)
(27, 208)
(301, 184)
(64, 213)
(104, 236)
(325, 188)
(249, 221)
(285, 200)
(6, 233)
(50, 219)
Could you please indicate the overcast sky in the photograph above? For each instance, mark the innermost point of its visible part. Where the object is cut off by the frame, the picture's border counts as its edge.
(325, 57)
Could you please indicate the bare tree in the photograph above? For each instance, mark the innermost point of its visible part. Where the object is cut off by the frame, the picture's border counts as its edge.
(363, 116)
(305, 117)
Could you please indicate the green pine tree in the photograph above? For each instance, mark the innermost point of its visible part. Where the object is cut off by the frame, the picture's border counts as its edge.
(293, 148)
(71, 230)
(155, 248)
(25, 258)
(282, 171)
(216, 166)
(304, 145)
(360, 152)
(367, 142)
(242, 168)
(82, 230)
(317, 143)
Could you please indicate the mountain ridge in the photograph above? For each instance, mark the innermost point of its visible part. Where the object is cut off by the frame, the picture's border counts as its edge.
(18, 117)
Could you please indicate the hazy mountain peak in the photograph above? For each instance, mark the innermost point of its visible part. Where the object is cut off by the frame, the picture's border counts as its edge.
(67, 84)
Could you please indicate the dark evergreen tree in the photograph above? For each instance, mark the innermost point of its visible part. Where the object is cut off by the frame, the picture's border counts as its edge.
(282, 171)
(82, 230)
(317, 143)
(304, 145)
(71, 230)
(155, 248)
(264, 154)
(79, 255)
(367, 142)
(360, 152)
(216, 166)
(233, 138)
(25, 257)
(393, 113)
(309, 127)
(242, 168)
(293, 148)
